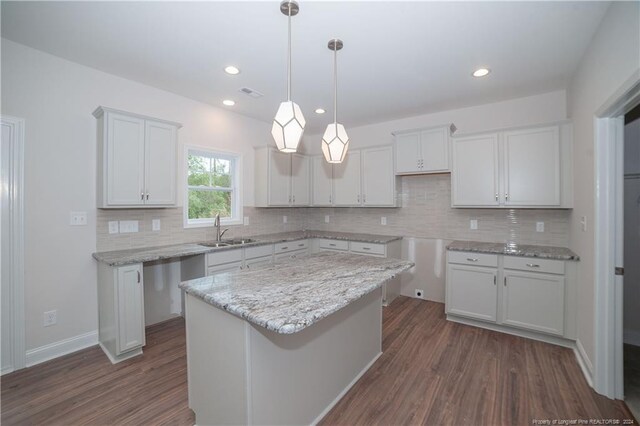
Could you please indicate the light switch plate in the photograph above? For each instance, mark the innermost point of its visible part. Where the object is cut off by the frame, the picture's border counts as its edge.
(327, 218)
(473, 224)
(78, 219)
(284, 219)
(50, 318)
(128, 226)
(113, 227)
(246, 221)
(583, 223)
(539, 226)
(155, 224)
(383, 220)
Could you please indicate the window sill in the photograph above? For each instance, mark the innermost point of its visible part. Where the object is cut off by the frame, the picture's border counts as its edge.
(209, 224)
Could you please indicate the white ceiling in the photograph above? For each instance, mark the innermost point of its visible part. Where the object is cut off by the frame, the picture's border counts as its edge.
(399, 59)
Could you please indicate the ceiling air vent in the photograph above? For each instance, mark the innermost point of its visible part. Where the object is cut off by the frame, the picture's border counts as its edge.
(253, 93)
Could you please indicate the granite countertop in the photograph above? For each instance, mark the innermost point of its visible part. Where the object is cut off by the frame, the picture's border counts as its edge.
(149, 254)
(288, 296)
(512, 249)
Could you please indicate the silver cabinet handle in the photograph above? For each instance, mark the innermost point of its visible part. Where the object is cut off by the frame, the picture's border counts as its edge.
(332, 245)
(142, 196)
(301, 245)
(496, 196)
(284, 248)
(138, 276)
(506, 196)
(358, 197)
(364, 198)
(505, 281)
(366, 248)
(294, 198)
(329, 199)
(147, 196)
(472, 259)
(533, 265)
(494, 280)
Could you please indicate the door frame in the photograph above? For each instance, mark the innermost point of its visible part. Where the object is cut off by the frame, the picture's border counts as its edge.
(609, 243)
(16, 237)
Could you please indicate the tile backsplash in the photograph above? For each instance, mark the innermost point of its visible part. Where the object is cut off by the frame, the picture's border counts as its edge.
(425, 213)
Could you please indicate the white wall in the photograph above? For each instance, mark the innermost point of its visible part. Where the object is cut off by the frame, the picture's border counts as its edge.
(632, 234)
(56, 97)
(610, 60)
(524, 111)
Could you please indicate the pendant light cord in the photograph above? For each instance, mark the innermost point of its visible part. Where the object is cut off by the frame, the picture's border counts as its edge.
(335, 85)
(289, 59)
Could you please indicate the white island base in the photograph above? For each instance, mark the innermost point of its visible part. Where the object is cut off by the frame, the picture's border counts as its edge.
(242, 373)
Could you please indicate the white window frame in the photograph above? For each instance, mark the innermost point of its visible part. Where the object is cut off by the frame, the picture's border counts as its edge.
(236, 189)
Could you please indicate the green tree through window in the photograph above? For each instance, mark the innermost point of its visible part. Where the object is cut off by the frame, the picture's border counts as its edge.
(210, 185)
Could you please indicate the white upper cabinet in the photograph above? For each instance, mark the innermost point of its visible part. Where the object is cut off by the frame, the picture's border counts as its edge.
(346, 180)
(423, 151)
(136, 160)
(475, 177)
(322, 182)
(281, 179)
(300, 180)
(378, 180)
(526, 168)
(532, 167)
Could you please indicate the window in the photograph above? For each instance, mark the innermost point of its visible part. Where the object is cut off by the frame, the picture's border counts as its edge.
(212, 188)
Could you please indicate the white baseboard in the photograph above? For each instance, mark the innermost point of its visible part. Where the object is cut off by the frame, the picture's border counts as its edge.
(63, 347)
(632, 337)
(6, 370)
(345, 390)
(584, 362)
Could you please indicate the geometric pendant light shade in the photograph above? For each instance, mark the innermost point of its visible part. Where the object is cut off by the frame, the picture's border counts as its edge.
(335, 141)
(288, 124)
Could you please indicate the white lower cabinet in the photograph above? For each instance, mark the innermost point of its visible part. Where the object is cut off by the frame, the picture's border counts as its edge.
(534, 301)
(472, 291)
(121, 310)
(533, 295)
(225, 267)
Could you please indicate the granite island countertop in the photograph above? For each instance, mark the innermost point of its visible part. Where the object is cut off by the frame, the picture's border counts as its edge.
(512, 249)
(150, 254)
(288, 296)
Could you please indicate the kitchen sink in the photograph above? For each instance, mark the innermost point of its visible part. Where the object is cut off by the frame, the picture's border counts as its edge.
(227, 243)
(215, 244)
(239, 241)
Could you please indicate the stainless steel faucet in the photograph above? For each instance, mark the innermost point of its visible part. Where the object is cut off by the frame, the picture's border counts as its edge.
(216, 223)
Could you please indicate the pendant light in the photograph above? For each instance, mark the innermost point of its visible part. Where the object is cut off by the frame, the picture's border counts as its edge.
(335, 141)
(288, 125)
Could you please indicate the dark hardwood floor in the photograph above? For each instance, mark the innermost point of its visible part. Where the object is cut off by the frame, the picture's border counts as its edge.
(431, 372)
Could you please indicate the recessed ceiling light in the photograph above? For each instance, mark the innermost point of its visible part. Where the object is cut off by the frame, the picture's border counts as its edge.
(229, 102)
(320, 111)
(481, 72)
(232, 70)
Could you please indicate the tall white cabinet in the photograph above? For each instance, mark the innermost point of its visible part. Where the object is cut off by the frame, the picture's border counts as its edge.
(525, 168)
(136, 160)
(282, 179)
(423, 151)
(347, 180)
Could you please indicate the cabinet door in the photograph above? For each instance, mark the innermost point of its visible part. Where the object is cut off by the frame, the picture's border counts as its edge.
(474, 174)
(434, 150)
(300, 176)
(532, 167)
(160, 163)
(533, 301)
(258, 261)
(378, 180)
(346, 180)
(472, 292)
(322, 182)
(125, 160)
(407, 153)
(130, 307)
(279, 178)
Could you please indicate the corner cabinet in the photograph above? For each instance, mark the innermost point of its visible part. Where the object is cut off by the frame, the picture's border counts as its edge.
(423, 151)
(525, 168)
(282, 179)
(364, 179)
(136, 160)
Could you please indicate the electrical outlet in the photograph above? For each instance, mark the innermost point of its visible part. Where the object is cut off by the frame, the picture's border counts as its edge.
(78, 218)
(127, 226)
(473, 224)
(326, 218)
(583, 223)
(383, 220)
(155, 225)
(419, 293)
(284, 219)
(113, 227)
(246, 221)
(539, 226)
(50, 318)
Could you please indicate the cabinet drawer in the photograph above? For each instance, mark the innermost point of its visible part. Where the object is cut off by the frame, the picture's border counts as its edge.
(477, 259)
(290, 255)
(533, 264)
(227, 267)
(224, 256)
(260, 251)
(291, 246)
(333, 244)
(367, 248)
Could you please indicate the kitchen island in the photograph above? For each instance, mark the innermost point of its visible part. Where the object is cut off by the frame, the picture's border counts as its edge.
(282, 343)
